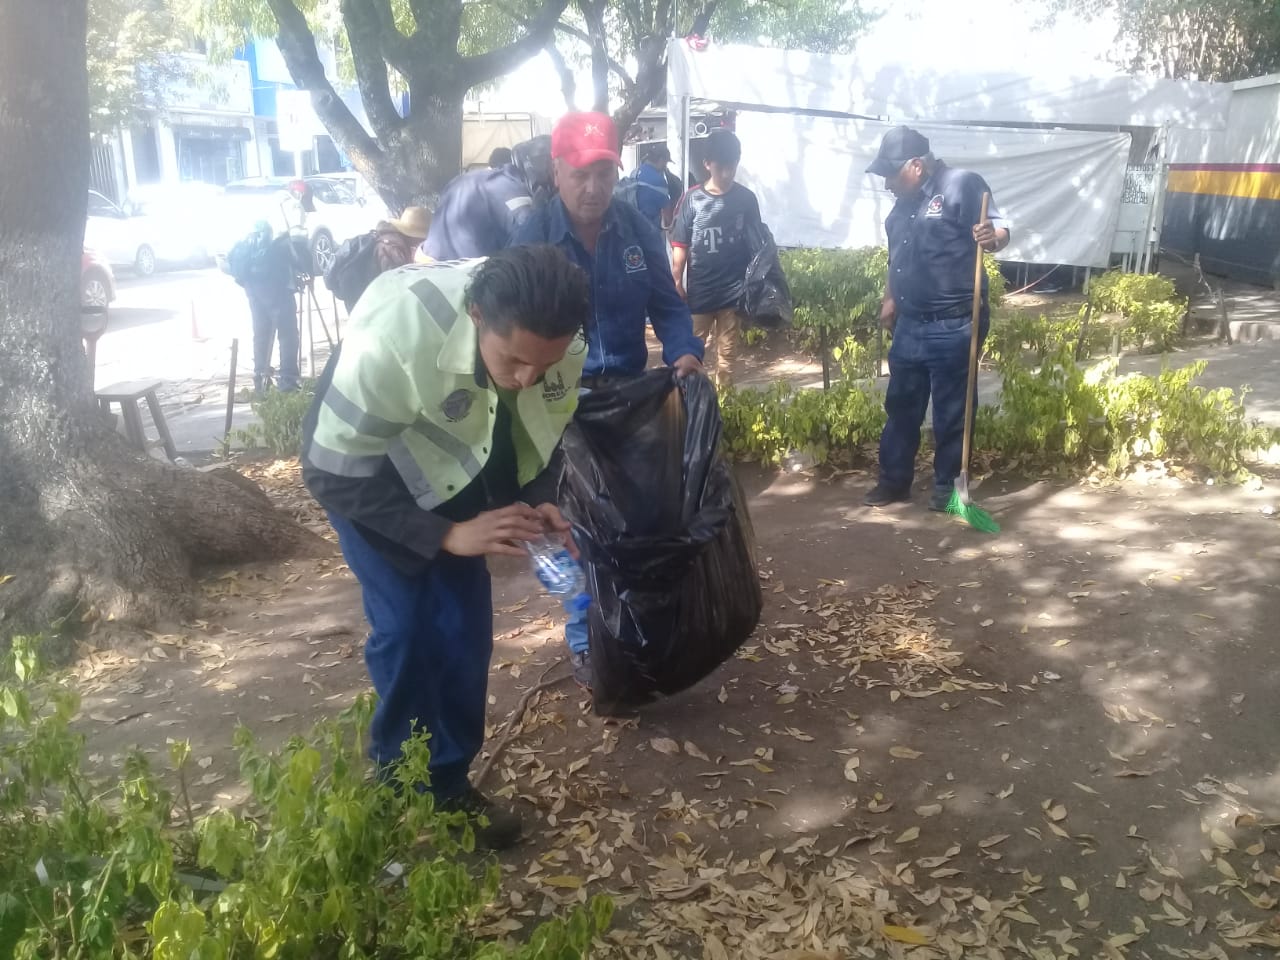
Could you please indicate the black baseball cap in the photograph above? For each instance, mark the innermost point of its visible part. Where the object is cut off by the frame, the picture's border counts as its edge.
(659, 153)
(898, 146)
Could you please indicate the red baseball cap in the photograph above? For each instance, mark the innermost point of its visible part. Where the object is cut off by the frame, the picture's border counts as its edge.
(580, 139)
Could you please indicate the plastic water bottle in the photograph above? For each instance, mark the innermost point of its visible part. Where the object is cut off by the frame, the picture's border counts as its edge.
(559, 574)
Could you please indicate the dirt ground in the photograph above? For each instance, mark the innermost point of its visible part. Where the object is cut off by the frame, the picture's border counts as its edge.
(1057, 741)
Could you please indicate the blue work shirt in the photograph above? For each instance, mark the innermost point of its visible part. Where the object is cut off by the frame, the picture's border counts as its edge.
(477, 213)
(630, 280)
(931, 245)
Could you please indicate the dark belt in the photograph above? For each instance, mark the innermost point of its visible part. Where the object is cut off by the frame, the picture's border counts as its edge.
(921, 317)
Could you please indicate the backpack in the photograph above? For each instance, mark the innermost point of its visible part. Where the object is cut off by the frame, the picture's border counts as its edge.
(354, 267)
(247, 260)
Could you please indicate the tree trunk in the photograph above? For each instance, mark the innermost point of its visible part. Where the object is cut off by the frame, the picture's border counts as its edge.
(89, 528)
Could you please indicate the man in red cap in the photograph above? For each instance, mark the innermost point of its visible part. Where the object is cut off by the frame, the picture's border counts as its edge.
(625, 257)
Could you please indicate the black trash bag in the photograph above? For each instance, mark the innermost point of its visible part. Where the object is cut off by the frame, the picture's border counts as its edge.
(667, 545)
(766, 295)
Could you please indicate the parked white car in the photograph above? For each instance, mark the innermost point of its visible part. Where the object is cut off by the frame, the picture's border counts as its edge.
(143, 236)
(339, 214)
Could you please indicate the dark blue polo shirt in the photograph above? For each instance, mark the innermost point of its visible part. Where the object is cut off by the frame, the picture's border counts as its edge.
(630, 281)
(477, 213)
(931, 245)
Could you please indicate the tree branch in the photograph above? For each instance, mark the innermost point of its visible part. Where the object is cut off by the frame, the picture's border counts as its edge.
(568, 85)
(396, 47)
(703, 18)
(421, 10)
(593, 14)
(363, 35)
(486, 66)
(615, 67)
(298, 46)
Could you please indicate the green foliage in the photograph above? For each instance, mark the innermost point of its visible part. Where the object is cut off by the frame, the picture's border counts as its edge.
(1064, 414)
(1149, 303)
(280, 416)
(1219, 40)
(836, 290)
(95, 875)
(841, 290)
(765, 425)
(1013, 334)
(131, 53)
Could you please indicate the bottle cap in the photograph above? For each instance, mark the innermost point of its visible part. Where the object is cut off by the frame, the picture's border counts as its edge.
(579, 604)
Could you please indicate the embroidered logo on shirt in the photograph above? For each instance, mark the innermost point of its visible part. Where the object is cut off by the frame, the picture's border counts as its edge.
(457, 405)
(633, 259)
(554, 390)
(934, 210)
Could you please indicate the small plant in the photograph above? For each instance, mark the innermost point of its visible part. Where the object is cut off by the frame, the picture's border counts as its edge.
(765, 425)
(1149, 304)
(753, 335)
(280, 415)
(95, 874)
(1064, 415)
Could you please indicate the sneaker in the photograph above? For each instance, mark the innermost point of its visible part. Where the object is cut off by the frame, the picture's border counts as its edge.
(938, 500)
(502, 828)
(582, 675)
(882, 494)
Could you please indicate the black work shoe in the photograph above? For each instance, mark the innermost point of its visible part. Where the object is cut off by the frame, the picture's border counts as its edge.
(882, 494)
(938, 501)
(582, 675)
(502, 828)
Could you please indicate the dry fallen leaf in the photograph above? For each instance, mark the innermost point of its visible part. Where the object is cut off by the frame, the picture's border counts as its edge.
(908, 835)
(565, 882)
(692, 750)
(993, 841)
(906, 935)
(851, 769)
(929, 810)
(665, 745)
(905, 753)
(1068, 884)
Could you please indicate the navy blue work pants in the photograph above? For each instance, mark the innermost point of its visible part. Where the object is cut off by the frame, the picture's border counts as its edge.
(428, 655)
(928, 359)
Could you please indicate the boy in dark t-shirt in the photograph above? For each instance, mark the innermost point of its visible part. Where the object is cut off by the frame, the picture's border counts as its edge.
(709, 236)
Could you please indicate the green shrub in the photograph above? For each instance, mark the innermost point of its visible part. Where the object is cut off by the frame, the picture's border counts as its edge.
(840, 291)
(280, 416)
(98, 875)
(836, 290)
(764, 425)
(1149, 304)
(1063, 414)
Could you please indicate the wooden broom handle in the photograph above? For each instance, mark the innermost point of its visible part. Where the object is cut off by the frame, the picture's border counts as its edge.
(973, 343)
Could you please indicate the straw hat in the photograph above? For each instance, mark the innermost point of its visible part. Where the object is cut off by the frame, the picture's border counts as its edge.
(414, 223)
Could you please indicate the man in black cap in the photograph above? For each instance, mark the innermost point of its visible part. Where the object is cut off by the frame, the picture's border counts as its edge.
(655, 203)
(933, 230)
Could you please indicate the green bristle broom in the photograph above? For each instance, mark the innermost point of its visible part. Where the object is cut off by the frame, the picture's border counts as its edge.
(960, 504)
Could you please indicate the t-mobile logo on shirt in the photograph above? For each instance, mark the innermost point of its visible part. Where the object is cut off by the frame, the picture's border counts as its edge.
(711, 238)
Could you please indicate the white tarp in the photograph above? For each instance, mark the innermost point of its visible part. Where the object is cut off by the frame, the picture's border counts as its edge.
(869, 84)
(1061, 189)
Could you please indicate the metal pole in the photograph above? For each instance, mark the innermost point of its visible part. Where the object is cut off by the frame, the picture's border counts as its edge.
(311, 338)
(231, 389)
(684, 143)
